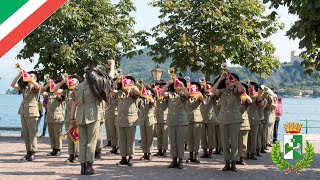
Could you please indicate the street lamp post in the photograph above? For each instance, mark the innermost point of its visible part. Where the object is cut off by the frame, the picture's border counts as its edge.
(156, 73)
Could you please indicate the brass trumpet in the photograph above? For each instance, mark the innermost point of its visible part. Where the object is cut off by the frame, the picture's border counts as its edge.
(18, 66)
(64, 135)
(46, 77)
(152, 85)
(140, 81)
(118, 72)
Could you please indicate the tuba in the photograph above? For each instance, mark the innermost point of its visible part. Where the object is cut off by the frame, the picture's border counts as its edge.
(267, 91)
(26, 77)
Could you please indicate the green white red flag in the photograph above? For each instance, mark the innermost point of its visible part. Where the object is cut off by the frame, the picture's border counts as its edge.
(18, 18)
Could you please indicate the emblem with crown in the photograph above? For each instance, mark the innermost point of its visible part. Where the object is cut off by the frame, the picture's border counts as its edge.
(293, 128)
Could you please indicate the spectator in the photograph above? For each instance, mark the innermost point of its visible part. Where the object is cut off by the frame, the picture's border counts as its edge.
(45, 102)
(278, 115)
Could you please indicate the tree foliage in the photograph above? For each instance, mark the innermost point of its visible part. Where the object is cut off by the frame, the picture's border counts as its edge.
(306, 28)
(81, 33)
(212, 32)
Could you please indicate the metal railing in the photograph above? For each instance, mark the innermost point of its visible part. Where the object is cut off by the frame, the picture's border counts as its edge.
(308, 127)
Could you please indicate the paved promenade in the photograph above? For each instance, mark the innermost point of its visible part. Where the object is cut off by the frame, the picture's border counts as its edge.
(12, 149)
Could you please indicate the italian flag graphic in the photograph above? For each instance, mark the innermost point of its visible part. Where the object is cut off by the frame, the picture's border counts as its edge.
(18, 18)
(292, 146)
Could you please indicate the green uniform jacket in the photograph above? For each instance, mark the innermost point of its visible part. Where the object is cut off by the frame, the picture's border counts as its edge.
(207, 109)
(162, 111)
(177, 109)
(127, 109)
(111, 109)
(55, 113)
(245, 125)
(87, 104)
(254, 117)
(68, 98)
(146, 113)
(194, 113)
(29, 105)
(230, 107)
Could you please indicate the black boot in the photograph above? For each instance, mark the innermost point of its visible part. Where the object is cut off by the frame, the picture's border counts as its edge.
(144, 156)
(205, 153)
(31, 157)
(233, 166)
(164, 153)
(114, 150)
(70, 159)
(258, 152)
(216, 151)
(173, 164)
(190, 157)
(186, 147)
(195, 159)
(220, 150)
(109, 143)
(130, 161)
(263, 151)
(52, 153)
(159, 153)
(26, 156)
(89, 169)
(149, 157)
(58, 152)
(227, 166)
(83, 168)
(123, 161)
(210, 154)
(180, 165)
(241, 162)
(97, 154)
(253, 156)
(76, 159)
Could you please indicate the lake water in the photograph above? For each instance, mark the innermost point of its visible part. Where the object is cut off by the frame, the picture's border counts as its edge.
(294, 110)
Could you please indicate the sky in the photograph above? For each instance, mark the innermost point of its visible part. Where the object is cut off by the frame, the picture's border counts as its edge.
(147, 17)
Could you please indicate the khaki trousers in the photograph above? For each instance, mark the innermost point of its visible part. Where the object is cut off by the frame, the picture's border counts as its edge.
(99, 138)
(259, 138)
(264, 136)
(127, 136)
(55, 130)
(88, 135)
(72, 147)
(29, 134)
(113, 131)
(230, 136)
(107, 125)
(208, 136)
(177, 134)
(253, 135)
(162, 136)
(270, 133)
(243, 143)
(217, 136)
(147, 133)
(194, 136)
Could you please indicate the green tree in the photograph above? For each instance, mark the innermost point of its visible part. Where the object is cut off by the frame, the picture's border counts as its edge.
(306, 28)
(211, 32)
(81, 33)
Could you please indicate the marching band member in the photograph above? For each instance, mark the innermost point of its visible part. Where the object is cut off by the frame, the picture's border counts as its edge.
(271, 110)
(85, 110)
(177, 117)
(71, 82)
(110, 118)
(97, 154)
(55, 116)
(26, 84)
(245, 125)
(146, 120)
(161, 120)
(229, 117)
(127, 119)
(254, 120)
(263, 125)
(195, 121)
(209, 116)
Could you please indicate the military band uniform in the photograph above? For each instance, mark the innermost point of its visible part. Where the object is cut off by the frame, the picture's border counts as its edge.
(261, 143)
(55, 120)
(73, 148)
(254, 120)
(161, 126)
(147, 121)
(244, 133)
(111, 116)
(194, 128)
(29, 114)
(177, 122)
(230, 120)
(217, 134)
(127, 121)
(99, 138)
(271, 120)
(88, 120)
(208, 127)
